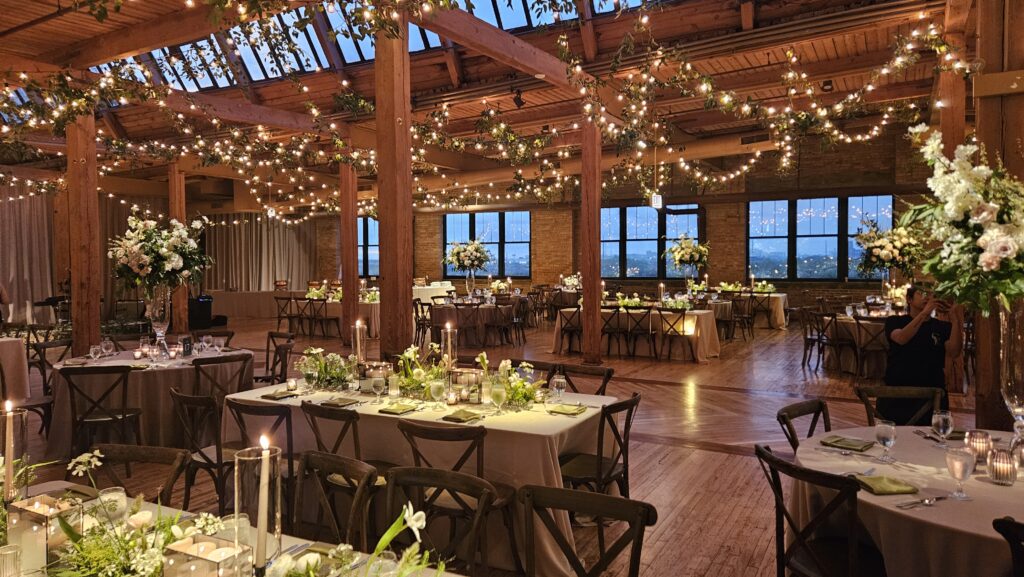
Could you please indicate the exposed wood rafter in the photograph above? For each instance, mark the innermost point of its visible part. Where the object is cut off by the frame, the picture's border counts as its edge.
(452, 62)
(325, 34)
(587, 33)
(237, 67)
(747, 16)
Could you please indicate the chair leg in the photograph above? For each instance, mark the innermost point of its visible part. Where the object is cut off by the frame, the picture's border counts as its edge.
(506, 514)
(190, 478)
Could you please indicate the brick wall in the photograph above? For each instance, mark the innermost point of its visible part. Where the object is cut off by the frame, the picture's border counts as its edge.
(426, 244)
(328, 246)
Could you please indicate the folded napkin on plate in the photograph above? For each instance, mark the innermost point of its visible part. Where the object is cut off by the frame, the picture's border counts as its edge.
(847, 443)
(398, 409)
(340, 402)
(279, 394)
(567, 409)
(461, 416)
(139, 366)
(882, 485)
(75, 362)
(321, 547)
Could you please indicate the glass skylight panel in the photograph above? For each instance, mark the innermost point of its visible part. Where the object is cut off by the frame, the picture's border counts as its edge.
(514, 16)
(549, 18)
(348, 46)
(484, 10)
(433, 40)
(169, 72)
(415, 38)
(608, 6)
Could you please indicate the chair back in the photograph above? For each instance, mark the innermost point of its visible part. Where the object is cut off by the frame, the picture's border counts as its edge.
(285, 306)
(808, 324)
(110, 404)
(470, 495)
(271, 359)
(570, 317)
(127, 455)
(761, 302)
(42, 351)
(317, 308)
(742, 305)
(216, 334)
(467, 314)
(419, 435)
(870, 334)
(616, 422)
(200, 420)
(539, 503)
(673, 322)
(503, 299)
(320, 468)
(339, 421)
(439, 299)
(245, 412)
(1013, 532)
(924, 394)
(301, 307)
(825, 325)
(207, 379)
(816, 408)
(799, 556)
(611, 321)
(638, 319)
(576, 375)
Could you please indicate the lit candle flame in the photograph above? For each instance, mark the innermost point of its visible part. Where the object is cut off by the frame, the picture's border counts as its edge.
(264, 442)
(447, 326)
(8, 406)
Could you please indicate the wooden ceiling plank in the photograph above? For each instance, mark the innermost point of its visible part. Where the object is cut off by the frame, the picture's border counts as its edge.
(747, 14)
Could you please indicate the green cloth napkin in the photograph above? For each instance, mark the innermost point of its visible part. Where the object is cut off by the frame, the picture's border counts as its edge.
(847, 443)
(461, 416)
(956, 435)
(321, 548)
(882, 485)
(567, 410)
(398, 409)
(279, 394)
(139, 366)
(340, 402)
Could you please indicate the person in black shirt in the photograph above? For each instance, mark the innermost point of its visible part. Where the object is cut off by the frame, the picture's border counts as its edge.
(918, 345)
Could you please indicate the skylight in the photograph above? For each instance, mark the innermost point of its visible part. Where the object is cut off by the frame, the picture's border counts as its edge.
(609, 6)
(262, 64)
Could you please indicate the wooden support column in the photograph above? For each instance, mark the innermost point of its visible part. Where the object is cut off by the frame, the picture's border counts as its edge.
(953, 96)
(1000, 129)
(84, 235)
(394, 177)
(590, 241)
(60, 258)
(349, 250)
(176, 209)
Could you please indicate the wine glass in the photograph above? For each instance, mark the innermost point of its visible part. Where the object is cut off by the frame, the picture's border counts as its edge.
(94, 352)
(218, 344)
(558, 386)
(942, 425)
(207, 342)
(378, 384)
(437, 393)
(107, 346)
(960, 463)
(849, 311)
(498, 396)
(885, 434)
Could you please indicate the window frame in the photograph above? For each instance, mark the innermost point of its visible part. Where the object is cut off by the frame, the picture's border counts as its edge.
(843, 235)
(501, 242)
(363, 246)
(623, 240)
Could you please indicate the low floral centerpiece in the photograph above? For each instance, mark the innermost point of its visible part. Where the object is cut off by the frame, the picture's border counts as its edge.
(468, 257)
(882, 251)
(518, 381)
(317, 292)
(416, 371)
(730, 287)
(573, 282)
(686, 251)
(328, 372)
(335, 294)
(499, 286)
(625, 300)
(763, 286)
(695, 286)
(683, 303)
(371, 296)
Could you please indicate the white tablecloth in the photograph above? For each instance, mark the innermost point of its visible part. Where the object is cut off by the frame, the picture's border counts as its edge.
(15, 367)
(520, 449)
(426, 293)
(148, 390)
(949, 539)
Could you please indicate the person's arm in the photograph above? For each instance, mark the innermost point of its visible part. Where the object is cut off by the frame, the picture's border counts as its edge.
(902, 336)
(956, 335)
(4, 298)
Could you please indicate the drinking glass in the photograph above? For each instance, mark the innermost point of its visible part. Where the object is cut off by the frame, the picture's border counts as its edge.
(236, 526)
(378, 387)
(95, 351)
(498, 396)
(885, 434)
(558, 386)
(114, 503)
(10, 561)
(437, 393)
(942, 425)
(960, 463)
(107, 346)
(207, 342)
(849, 311)
(218, 344)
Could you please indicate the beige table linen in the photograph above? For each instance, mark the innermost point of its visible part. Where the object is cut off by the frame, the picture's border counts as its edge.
(875, 361)
(261, 305)
(148, 390)
(777, 303)
(440, 315)
(949, 539)
(427, 293)
(521, 449)
(703, 327)
(15, 367)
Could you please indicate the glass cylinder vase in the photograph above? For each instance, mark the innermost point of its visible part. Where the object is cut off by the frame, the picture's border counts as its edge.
(1011, 357)
(258, 495)
(15, 452)
(158, 311)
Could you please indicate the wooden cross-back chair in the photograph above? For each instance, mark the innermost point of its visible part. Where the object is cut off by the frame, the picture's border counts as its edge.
(45, 363)
(817, 409)
(41, 405)
(809, 333)
(285, 311)
(826, 326)
(742, 316)
(539, 503)
(570, 326)
(612, 329)
(91, 413)
(808, 554)
(467, 319)
(929, 397)
(279, 415)
(760, 304)
(33, 335)
(575, 375)
(346, 420)
(200, 420)
(467, 501)
(673, 328)
(206, 381)
(326, 471)
(598, 470)
(126, 455)
(1013, 531)
(870, 338)
(638, 320)
(275, 358)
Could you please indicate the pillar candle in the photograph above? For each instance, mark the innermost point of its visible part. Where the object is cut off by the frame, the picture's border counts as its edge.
(263, 504)
(9, 452)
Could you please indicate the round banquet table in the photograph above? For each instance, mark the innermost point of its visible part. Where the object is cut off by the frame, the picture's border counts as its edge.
(148, 389)
(949, 539)
(440, 315)
(15, 367)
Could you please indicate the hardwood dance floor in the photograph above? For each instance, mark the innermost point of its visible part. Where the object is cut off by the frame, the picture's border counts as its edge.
(691, 446)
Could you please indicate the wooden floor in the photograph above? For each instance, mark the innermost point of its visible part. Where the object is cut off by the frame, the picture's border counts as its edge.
(691, 445)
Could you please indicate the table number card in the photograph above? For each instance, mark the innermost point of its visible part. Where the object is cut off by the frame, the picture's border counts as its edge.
(186, 346)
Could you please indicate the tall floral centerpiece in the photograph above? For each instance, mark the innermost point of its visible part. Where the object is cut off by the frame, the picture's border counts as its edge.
(158, 259)
(976, 217)
(686, 251)
(882, 251)
(468, 257)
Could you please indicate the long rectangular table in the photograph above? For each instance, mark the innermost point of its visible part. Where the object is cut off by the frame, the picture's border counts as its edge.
(521, 449)
(261, 305)
(702, 330)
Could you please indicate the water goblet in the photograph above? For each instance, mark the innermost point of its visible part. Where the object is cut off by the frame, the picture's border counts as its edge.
(207, 342)
(942, 425)
(218, 344)
(95, 352)
(558, 386)
(498, 396)
(437, 393)
(849, 311)
(960, 463)
(885, 434)
(378, 384)
(113, 502)
(107, 346)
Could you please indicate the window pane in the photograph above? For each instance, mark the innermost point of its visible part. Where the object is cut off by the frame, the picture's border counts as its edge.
(610, 223)
(642, 258)
(373, 261)
(513, 16)
(678, 224)
(487, 227)
(641, 222)
(817, 216)
(492, 267)
(517, 259)
(688, 271)
(769, 258)
(373, 230)
(456, 228)
(876, 208)
(769, 218)
(853, 253)
(682, 206)
(816, 257)
(610, 259)
(517, 226)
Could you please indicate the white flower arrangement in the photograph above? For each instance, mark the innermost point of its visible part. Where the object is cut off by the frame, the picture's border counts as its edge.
(628, 301)
(976, 216)
(499, 286)
(573, 281)
(683, 303)
(687, 251)
(148, 255)
(468, 257)
(763, 286)
(898, 248)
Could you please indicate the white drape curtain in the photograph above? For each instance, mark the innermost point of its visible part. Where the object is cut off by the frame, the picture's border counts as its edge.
(25, 227)
(251, 255)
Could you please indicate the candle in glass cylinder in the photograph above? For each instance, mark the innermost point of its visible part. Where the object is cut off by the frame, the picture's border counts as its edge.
(9, 452)
(358, 338)
(137, 354)
(706, 285)
(661, 291)
(979, 443)
(394, 386)
(263, 503)
(1002, 467)
(448, 342)
(453, 397)
(751, 281)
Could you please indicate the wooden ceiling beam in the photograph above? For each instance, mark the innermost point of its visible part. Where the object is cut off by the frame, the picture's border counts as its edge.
(587, 33)
(747, 18)
(114, 126)
(108, 184)
(452, 62)
(325, 34)
(957, 13)
(237, 67)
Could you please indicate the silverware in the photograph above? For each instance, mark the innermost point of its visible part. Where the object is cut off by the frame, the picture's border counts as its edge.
(842, 452)
(928, 436)
(864, 473)
(926, 502)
